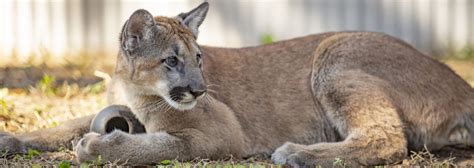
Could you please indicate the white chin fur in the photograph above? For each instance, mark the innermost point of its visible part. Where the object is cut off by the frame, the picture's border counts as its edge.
(181, 106)
(161, 87)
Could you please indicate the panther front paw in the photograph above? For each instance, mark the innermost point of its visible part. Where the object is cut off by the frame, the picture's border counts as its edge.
(87, 149)
(9, 144)
(283, 155)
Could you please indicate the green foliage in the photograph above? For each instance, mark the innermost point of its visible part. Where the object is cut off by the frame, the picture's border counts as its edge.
(239, 166)
(95, 88)
(98, 160)
(3, 152)
(266, 39)
(32, 153)
(4, 108)
(36, 166)
(48, 86)
(17, 157)
(45, 85)
(165, 162)
(64, 164)
(62, 149)
(467, 53)
(85, 165)
(38, 110)
(54, 124)
(228, 165)
(338, 162)
(181, 165)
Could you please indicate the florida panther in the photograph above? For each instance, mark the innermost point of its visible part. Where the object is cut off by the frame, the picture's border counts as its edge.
(364, 97)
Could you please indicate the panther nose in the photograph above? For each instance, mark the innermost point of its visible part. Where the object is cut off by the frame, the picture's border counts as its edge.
(197, 93)
(197, 88)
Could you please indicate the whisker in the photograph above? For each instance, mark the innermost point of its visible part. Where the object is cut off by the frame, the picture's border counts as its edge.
(159, 105)
(168, 108)
(212, 85)
(207, 98)
(203, 98)
(213, 91)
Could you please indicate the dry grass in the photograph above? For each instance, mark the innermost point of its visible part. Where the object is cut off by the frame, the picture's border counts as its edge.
(24, 111)
(463, 68)
(31, 100)
(426, 158)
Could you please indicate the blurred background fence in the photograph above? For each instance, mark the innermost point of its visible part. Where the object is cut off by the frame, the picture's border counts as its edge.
(58, 29)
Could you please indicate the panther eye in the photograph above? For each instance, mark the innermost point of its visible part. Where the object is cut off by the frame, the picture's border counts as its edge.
(171, 61)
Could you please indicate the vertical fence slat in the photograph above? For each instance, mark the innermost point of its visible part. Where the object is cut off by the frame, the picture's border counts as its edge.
(58, 27)
(470, 24)
(460, 25)
(23, 28)
(72, 26)
(6, 30)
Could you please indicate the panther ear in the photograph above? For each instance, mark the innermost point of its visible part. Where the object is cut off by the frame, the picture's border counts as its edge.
(194, 18)
(137, 29)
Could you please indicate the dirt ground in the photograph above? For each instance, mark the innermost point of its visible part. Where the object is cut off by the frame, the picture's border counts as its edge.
(35, 98)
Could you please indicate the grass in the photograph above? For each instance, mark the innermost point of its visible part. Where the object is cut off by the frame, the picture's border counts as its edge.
(267, 39)
(466, 53)
(47, 104)
(425, 158)
(464, 68)
(58, 94)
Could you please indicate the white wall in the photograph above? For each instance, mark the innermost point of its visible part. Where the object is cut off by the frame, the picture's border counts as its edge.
(69, 27)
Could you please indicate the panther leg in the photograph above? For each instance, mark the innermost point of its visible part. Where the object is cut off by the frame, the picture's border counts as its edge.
(47, 139)
(366, 119)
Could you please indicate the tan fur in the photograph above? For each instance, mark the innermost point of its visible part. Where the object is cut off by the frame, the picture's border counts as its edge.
(366, 98)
